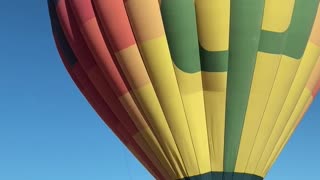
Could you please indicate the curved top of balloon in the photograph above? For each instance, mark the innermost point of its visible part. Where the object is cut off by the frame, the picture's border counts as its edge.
(196, 89)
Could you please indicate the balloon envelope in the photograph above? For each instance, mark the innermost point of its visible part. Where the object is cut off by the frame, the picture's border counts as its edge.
(196, 89)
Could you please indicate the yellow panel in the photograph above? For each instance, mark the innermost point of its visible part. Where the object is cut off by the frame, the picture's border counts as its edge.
(307, 64)
(188, 82)
(192, 96)
(277, 15)
(152, 110)
(283, 134)
(214, 81)
(215, 108)
(158, 62)
(285, 137)
(213, 24)
(132, 65)
(134, 69)
(264, 75)
(215, 102)
(213, 29)
(282, 84)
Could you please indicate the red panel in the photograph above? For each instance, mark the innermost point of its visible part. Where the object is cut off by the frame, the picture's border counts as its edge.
(83, 9)
(73, 35)
(102, 54)
(113, 17)
(87, 62)
(88, 90)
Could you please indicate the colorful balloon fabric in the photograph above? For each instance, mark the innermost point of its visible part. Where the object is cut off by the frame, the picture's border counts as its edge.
(196, 89)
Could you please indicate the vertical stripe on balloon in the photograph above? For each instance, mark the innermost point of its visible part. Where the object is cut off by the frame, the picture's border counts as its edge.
(145, 18)
(181, 31)
(213, 29)
(240, 71)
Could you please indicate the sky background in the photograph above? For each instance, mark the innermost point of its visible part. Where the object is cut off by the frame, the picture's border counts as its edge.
(49, 132)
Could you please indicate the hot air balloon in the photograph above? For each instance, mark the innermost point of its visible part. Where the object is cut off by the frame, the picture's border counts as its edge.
(196, 89)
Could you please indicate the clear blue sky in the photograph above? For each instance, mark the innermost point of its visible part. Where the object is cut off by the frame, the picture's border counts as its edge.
(49, 132)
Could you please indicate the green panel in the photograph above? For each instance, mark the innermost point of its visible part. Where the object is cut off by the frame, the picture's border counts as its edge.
(224, 176)
(214, 61)
(245, 27)
(296, 36)
(301, 27)
(272, 42)
(179, 20)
